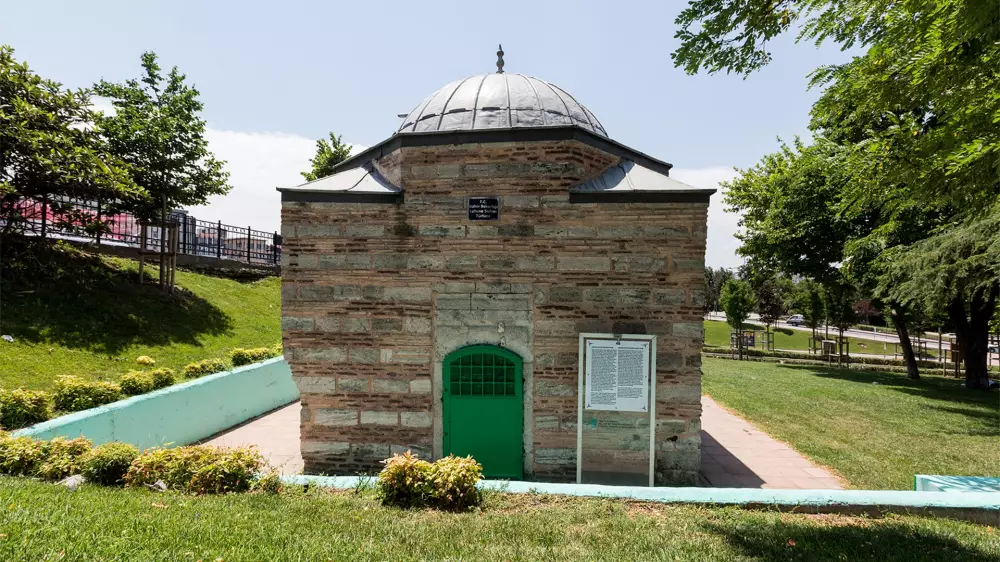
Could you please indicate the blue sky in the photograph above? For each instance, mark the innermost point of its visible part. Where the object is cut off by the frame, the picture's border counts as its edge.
(274, 76)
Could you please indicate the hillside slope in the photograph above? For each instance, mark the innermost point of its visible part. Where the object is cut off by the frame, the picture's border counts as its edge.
(71, 312)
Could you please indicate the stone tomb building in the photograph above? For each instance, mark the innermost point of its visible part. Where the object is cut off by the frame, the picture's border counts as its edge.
(461, 258)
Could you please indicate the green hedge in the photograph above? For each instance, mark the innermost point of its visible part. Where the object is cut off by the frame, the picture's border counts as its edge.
(448, 483)
(21, 407)
(73, 393)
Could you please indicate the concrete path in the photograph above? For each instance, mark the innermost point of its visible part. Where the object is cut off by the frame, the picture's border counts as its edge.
(276, 434)
(734, 453)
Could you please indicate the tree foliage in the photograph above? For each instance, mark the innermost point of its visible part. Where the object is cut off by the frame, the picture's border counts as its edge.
(50, 149)
(715, 279)
(771, 296)
(157, 130)
(328, 155)
(738, 302)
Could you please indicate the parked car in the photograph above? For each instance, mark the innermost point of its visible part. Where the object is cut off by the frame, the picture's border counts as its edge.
(993, 349)
(796, 320)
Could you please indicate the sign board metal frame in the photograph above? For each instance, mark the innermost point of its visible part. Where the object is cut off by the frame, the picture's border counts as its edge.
(584, 337)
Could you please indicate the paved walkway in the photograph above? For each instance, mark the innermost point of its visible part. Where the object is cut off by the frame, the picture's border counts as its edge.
(275, 433)
(734, 453)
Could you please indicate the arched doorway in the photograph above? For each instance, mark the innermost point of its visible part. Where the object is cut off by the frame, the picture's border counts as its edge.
(483, 408)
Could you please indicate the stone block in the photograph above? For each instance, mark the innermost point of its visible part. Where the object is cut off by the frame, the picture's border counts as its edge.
(295, 323)
(453, 302)
(688, 264)
(364, 355)
(364, 231)
(560, 327)
(535, 263)
(678, 393)
(390, 386)
(555, 456)
(405, 356)
(408, 294)
(416, 325)
(669, 297)
(490, 301)
(316, 385)
(665, 232)
(355, 325)
(667, 428)
(415, 419)
(375, 417)
(607, 295)
(688, 329)
(426, 262)
(387, 324)
(515, 230)
(619, 232)
(565, 294)
(502, 287)
(389, 262)
(335, 417)
(549, 231)
(437, 231)
(634, 297)
(482, 231)
(639, 264)
(577, 263)
(420, 386)
(328, 354)
(587, 232)
(315, 447)
(519, 201)
(462, 263)
(547, 388)
(353, 384)
(497, 263)
(546, 423)
(375, 451)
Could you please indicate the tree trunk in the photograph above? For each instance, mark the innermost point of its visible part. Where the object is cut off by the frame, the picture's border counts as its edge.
(899, 322)
(972, 331)
(163, 245)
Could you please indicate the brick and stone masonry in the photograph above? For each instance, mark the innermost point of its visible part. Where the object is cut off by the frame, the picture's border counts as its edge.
(375, 294)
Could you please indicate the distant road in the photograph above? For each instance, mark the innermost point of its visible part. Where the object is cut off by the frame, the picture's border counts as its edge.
(932, 343)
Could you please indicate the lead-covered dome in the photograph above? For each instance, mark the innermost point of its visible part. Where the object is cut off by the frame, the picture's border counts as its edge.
(500, 100)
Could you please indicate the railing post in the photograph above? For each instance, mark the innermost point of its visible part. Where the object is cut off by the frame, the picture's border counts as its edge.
(45, 213)
(99, 225)
(218, 241)
(275, 252)
(249, 233)
(184, 235)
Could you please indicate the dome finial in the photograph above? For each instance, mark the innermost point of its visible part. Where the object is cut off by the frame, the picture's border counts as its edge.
(500, 59)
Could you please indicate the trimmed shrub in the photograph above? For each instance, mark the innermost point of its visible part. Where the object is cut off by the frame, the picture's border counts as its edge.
(199, 468)
(136, 382)
(21, 456)
(63, 458)
(73, 393)
(204, 367)
(162, 378)
(21, 407)
(453, 483)
(234, 470)
(241, 356)
(270, 483)
(145, 360)
(405, 481)
(107, 464)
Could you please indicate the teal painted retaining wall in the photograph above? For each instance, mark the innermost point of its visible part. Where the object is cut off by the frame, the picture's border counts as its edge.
(939, 483)
(183, 413)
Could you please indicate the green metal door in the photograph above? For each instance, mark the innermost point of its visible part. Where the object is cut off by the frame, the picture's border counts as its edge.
(484, 410)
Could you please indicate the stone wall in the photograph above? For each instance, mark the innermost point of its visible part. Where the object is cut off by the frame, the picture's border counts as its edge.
(375, 294)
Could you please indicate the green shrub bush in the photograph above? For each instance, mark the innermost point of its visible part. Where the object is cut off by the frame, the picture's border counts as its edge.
(200, 469)
(21, 456)
(162, 378)
(448, 483)
(107, 464)
(405, 481)
(136, 382)
(62, 457)
(453, 483)
(204, 367)
(21, 407)
(270, 483)
(241, 356)
(73, 393)
(233, 470)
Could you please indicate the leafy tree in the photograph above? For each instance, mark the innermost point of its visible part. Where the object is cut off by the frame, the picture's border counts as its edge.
(838, 300)
(915, 114)
(49, 150)
(157, 130)
(808, 301)
(770, 296)
(738, 302)
(328, 155)
(715, 279)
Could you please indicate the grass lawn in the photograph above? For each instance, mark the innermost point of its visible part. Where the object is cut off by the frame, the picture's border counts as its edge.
(876, 429)
(46, 522)
(85, 315)
(717, 335)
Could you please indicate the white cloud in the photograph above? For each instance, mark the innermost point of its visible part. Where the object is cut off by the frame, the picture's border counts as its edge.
(722, 225)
